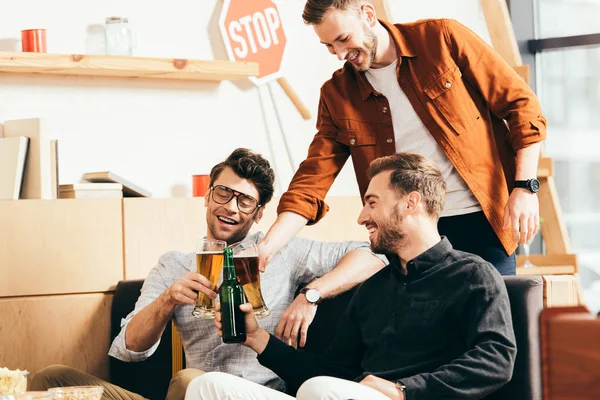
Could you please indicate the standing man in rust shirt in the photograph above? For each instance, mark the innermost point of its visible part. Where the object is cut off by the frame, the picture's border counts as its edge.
(431, 87)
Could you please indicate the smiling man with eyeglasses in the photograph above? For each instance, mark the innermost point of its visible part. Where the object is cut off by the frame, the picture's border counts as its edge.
(240, 187)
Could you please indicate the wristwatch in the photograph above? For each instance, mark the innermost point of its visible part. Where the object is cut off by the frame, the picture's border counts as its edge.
(533, 185)
(313, 296)
(401, 388)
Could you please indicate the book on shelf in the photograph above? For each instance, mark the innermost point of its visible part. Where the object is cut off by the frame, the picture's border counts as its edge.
(91, 191)
(41, 178)
(54, 168)
(13, 158)
(91, 194)
(86, 186)
(129, 189)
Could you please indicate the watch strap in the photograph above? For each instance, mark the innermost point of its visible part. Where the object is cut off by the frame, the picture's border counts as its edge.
(306, 289)
(401, 388)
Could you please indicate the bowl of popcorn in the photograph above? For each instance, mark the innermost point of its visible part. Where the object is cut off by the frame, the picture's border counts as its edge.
(76, 393)
(36, 395)
(12, 382)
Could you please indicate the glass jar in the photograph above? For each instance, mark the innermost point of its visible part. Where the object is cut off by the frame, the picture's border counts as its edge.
(119, 41)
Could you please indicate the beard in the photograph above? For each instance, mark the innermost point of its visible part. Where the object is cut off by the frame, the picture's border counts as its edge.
(229, 237)
(390, 237)
(369, 49)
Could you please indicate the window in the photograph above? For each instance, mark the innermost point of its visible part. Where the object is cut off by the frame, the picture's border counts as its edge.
(567, 76)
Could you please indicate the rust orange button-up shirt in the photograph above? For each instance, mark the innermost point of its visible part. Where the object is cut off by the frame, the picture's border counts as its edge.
(471, 101)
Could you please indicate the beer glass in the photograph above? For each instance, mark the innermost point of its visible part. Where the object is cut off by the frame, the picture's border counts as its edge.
(245, 259)
(209, 263)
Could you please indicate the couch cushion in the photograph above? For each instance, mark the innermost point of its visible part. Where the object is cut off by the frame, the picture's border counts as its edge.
(149, 378)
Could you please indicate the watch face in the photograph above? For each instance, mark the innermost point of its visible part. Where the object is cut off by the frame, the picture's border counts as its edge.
(313, 295)
(534, 185)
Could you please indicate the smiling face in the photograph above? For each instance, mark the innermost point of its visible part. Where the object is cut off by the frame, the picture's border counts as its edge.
(225, 221)
(382, 216)
(349, 35)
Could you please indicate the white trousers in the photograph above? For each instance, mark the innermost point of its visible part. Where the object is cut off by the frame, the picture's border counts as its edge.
(222, 386)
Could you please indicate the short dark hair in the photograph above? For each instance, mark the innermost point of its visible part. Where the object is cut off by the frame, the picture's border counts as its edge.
(413, 173)
(315, 10)
(251, 166)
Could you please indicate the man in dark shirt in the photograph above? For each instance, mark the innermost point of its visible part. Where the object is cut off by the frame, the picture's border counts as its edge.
(435, 323)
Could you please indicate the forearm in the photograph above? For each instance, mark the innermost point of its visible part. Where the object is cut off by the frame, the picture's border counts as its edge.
(296, 366)
(527, 162)
(147, 326)
(354, 268)
(287, 225)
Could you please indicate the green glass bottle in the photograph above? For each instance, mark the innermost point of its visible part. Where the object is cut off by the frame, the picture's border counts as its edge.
(231, 296)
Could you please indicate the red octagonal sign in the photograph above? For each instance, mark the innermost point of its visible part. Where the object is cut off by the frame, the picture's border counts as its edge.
(252, 32)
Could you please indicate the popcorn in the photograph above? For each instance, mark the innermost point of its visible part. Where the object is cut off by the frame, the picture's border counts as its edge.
(13, 382)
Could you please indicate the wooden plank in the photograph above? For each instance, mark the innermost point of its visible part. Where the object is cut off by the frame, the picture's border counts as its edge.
(125, 67)
(523, 71)
(294, 98)
(549, 260)
(382, 10)
(176, 351)
(60, 246)
(545, 167)
(39, 331)
(152, 227)
(560, 290)
(547, 270)
(501, 30)
(37, 183)
(554, 231)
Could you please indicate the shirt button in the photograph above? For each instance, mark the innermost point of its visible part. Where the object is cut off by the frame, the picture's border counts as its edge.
(390, 140)
(384, 110)
(352, 142)
(448, 85)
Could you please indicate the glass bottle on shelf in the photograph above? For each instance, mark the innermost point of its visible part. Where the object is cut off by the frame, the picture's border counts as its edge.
(119, 41)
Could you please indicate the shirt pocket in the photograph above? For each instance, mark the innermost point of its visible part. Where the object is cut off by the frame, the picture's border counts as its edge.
(452, 99)
(354, 138)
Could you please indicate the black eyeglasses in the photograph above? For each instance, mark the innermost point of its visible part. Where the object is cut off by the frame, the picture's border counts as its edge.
(223, 195)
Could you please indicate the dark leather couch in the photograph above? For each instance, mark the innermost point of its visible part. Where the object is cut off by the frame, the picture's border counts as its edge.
(151, 377)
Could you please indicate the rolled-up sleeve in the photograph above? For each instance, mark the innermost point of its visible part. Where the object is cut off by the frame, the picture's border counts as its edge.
(507, 95)
(154, 285)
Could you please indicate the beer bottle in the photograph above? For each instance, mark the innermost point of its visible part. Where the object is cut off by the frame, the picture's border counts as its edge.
(231, 296)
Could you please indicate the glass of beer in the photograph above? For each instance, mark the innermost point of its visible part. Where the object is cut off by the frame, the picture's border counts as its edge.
(245, 259)
(209, 263)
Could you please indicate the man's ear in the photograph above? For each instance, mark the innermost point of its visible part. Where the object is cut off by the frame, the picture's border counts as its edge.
(206, 198)
(368, 14)
(413, 202)
(259, 214)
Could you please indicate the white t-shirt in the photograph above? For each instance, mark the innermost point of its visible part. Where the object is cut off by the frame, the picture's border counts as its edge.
(412, 136)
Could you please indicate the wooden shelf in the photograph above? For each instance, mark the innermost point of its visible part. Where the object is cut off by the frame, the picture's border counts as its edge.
(124, 67)
(548, 264)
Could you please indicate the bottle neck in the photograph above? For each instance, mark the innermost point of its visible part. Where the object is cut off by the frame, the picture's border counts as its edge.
(228, 268)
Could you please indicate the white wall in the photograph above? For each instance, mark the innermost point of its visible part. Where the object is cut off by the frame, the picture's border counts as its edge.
(157, 134)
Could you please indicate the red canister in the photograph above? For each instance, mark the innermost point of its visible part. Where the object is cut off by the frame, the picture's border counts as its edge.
(33, 40)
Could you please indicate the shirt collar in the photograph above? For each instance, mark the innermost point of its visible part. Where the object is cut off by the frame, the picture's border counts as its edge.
(403, 49)
(428, 259)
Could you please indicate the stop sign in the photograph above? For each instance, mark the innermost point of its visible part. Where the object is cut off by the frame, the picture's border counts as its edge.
(252, 32)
